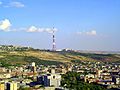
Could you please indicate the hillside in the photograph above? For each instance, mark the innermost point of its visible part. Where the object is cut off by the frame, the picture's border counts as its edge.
(49, 57)
(23, 57)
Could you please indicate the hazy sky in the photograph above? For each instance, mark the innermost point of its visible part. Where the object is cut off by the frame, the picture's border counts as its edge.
(79, 24)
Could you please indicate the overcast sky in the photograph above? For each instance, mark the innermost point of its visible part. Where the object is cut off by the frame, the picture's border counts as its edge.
(78, 24)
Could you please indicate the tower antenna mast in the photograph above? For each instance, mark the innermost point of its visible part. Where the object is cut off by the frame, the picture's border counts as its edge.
(53, 44)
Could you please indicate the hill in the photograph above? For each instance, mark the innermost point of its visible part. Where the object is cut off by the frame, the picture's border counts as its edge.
(26, 55)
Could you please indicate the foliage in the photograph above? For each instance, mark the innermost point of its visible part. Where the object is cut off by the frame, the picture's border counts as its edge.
(71, 80)
(42, 62)
(26, 88)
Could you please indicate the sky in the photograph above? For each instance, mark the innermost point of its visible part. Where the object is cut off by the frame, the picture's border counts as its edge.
(78, 24)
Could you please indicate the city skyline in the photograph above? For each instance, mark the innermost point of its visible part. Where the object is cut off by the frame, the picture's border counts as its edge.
(79, 24)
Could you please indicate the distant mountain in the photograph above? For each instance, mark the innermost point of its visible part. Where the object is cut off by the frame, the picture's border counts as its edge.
(99, 52)
(24, 55)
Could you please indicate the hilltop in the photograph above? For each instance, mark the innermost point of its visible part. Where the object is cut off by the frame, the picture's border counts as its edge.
(23, 55)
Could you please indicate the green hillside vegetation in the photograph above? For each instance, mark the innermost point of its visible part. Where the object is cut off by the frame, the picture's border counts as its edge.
(18, 57)
(100, 57)
(72, 81)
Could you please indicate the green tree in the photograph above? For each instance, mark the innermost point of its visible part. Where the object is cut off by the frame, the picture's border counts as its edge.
(71, 80)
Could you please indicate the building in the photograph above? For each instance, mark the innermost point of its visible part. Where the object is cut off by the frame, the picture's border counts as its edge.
(89, 78)
(2, 86)
(116, 79)
(33, 64)
(5, 75)
(53, 71)
(12, 86)
(50, 80)
(98, 73)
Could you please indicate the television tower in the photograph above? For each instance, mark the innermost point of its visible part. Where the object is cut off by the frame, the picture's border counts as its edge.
(53, 44)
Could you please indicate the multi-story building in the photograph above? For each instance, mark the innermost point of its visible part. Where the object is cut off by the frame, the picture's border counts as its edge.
(11, 86)
(50, 80)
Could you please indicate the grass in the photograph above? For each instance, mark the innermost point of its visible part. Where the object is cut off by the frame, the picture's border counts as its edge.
(53, 58)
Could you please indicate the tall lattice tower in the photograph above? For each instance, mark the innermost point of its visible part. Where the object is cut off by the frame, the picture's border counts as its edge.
(53, 44)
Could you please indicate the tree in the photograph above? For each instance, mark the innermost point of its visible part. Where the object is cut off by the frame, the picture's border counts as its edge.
(71, 80)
